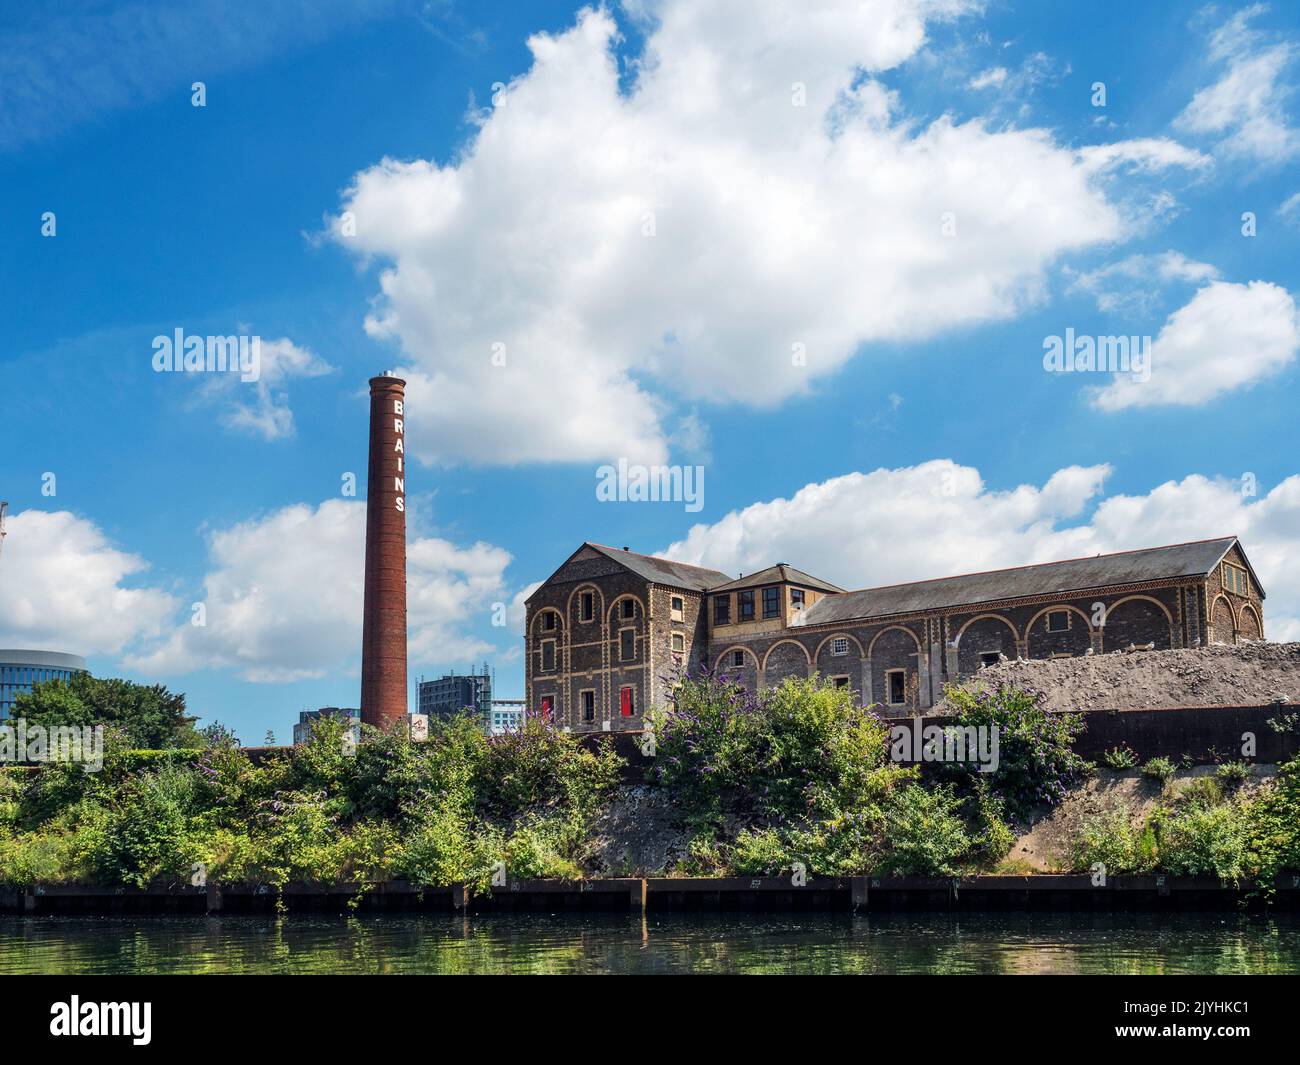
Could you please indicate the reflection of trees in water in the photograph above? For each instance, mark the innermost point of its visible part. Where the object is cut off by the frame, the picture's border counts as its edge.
(455, 944)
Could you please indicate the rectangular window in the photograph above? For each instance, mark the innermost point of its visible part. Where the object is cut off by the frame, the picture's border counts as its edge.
(626, 702)
(588, 606)
(677, 606)
(840, 645)
(840, 682)
(1058, 621)
(896, 687)
(629, 608)
(626, 645)
(721, 609)
(737, 659)
(679, 643)
(989, 658)
(1234, 579)
(548, 655)
(588, 705)
(771, 602)
(796, 599)
(745, 602)
(548, 620)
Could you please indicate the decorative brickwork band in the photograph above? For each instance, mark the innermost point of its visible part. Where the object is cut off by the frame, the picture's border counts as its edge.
(383, 636)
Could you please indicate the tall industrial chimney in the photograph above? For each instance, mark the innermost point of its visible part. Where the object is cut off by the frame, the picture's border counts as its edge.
(383, 635)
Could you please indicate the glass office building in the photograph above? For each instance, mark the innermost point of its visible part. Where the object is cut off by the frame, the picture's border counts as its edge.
(19, 670)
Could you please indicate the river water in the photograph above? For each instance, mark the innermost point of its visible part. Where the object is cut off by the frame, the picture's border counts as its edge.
(659, 943)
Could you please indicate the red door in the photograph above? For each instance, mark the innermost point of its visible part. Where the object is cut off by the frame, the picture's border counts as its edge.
(546, 708)
(625, 702)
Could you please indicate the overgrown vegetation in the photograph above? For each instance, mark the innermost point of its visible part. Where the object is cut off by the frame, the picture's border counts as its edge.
(443, 811)
(796, 777)
(1207, 826)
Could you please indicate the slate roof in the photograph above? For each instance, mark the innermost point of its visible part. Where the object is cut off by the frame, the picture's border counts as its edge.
(1049, 578)
(778, 574)
(664, 571)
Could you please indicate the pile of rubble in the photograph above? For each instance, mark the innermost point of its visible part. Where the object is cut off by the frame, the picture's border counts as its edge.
(1219, 675)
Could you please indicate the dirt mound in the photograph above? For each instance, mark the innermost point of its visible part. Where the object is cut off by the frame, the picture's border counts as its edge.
(1248, 674)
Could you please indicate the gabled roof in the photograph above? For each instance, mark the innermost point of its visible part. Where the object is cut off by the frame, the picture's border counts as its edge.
(778, 574)
(651, 568)
(1048, 578)
(664, 570)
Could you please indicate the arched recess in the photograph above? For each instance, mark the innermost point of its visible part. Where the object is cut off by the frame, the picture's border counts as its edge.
(839, 636)
(1249, 625)
(554, 633)
(916, 640)
(1223, 621)
(746, 674)
(1075, 640)
(1137, 620)
(984, 635)
(893, 651)
(779, 664)
(598, 605)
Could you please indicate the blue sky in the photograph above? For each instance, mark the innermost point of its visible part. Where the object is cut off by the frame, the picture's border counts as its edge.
(650, 208)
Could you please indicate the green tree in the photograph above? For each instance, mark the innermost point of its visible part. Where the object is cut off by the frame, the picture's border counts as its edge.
(149, 716)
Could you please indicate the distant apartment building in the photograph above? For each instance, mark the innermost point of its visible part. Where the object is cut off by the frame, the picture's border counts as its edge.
(608, 633)
(507, 716)
(454, 692)
(308, 718)
(19, 670)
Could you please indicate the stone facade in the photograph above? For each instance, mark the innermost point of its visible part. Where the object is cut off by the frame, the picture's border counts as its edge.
(584, 647)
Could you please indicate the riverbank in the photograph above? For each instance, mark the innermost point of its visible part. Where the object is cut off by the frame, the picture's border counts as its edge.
(853, 894)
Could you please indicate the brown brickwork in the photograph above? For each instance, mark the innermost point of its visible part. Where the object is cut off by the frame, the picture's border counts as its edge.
(383, 631)
(901, 662)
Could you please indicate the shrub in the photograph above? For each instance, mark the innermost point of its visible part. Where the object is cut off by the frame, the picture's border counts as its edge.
(924, 832)
(1036, 760)
(1233, 775)
(1274, 825)
(1161, 770)
(1120, 758)
(1108, 837)
(1199, 840)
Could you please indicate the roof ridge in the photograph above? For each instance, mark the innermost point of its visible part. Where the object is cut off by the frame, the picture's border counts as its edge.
(1036, 565)
(657, 558)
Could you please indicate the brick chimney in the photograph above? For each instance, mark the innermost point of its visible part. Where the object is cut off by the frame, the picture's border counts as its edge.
(383, 631)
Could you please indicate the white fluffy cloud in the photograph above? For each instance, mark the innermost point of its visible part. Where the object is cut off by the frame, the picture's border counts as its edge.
(1246, 108)
(261, 407)
(64, 587)
(1227, 337)
(283, 598)
(796, 214)
(938, 519)
(1132, 284)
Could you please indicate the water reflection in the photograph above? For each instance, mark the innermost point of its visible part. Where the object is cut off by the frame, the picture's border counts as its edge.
(657, 943)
